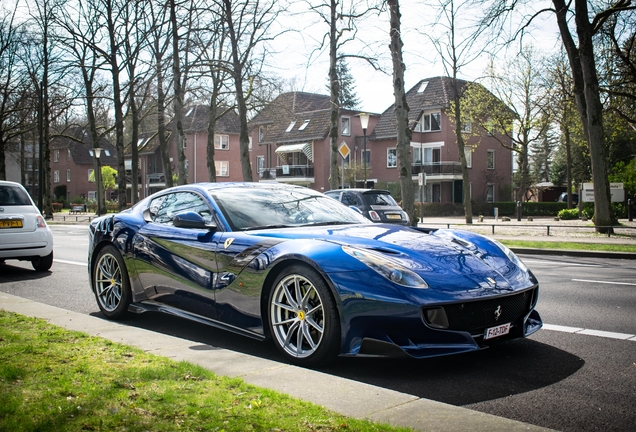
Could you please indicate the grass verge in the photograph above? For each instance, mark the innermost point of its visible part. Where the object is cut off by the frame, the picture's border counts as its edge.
(53, 379)
(605, 247)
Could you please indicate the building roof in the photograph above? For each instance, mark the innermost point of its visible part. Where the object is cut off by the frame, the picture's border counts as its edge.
(79, 140)
(196, 119)
(428, 94)
(298, 108)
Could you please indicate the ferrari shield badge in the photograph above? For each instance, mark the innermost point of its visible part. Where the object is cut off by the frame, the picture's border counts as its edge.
(228, 242)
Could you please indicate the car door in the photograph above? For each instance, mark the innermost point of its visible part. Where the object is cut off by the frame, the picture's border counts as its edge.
(177, 266)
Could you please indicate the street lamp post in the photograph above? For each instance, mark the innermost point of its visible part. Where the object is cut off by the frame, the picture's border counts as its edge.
(98, 180)
(364, 121)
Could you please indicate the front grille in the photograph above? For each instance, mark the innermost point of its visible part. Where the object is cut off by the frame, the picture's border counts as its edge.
(475, 317)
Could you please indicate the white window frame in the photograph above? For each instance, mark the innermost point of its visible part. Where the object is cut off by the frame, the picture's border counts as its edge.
(92, 195)
(388, 152)
(261, 133)
(468, 152)
(68, 175)
(68, 154)
(368, 157)
(422, 126)
(222, 168)
(466, 127)
(90, 171)
(304, 125)
(56, 176)
(345, 130)
(490, 192)
(219, 144)
(291, 126)
(56, 155)
(490, 160)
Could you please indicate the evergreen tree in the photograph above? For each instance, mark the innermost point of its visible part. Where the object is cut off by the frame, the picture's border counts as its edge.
(347, 96)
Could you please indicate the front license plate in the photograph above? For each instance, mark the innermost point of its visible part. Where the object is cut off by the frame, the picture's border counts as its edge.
(17, 223)
(494, 332)
(393, 216)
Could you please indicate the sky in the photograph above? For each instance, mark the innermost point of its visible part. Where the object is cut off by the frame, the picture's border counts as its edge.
(375, 88)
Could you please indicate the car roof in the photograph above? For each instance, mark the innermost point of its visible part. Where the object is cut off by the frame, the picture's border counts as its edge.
(364, 191)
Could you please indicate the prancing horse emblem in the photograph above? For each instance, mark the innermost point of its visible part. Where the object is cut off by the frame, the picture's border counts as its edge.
(228, 242)
(497, 312)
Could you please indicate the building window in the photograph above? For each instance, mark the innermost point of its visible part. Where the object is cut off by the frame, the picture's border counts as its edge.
(249, 143)
(391, 158)
(366, 157)
(345, 126)
(222, 168)
(466, 127)
(56, 176)
(304, 125)
(260, 163)
(56, 155)
(90, 174)
(468, 151)
(107, 152)
(490, 192)
(68, 175)
(261, 133)
(291, 126)
(221, 142)
(430, 122)
(68, 154)
(491, 159)
(92, 195)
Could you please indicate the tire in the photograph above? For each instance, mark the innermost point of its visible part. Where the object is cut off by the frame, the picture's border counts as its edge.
(111, 283)
(303, 317)
(42, 264)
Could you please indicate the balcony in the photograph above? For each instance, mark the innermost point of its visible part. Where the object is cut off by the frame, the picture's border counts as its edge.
(290, 173)
(156, 179)
(439, 170)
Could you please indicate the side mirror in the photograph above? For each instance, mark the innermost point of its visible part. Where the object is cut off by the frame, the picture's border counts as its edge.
(192, 220)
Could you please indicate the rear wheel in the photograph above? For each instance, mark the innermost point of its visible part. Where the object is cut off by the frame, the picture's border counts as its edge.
(303, 317)
(42, 264)
(111, 284)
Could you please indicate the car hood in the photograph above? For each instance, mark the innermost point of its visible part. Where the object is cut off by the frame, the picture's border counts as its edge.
(471, 260)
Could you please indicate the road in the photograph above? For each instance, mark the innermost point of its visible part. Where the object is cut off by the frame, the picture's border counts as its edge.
(577, 374)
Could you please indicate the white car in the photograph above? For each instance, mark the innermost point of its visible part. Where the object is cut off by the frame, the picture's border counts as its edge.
(24, 234)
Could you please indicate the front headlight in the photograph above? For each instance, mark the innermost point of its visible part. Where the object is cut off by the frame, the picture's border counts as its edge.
(511, 255)
(391, 270)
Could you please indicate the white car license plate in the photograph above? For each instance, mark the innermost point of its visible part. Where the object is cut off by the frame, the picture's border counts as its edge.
(494, 332)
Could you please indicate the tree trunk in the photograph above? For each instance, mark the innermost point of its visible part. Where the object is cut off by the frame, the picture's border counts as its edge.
(404, 132)
(211, 129)
(177, 125)
(334, 87)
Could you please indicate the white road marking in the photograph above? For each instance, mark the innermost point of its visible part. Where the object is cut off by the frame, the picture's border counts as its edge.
(599, 333)
(71, 262)
(604, 282)
(559, 263)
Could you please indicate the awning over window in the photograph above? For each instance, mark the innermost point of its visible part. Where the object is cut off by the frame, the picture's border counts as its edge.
(296, 148)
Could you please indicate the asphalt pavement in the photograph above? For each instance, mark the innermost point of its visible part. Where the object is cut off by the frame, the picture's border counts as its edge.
(345, 396)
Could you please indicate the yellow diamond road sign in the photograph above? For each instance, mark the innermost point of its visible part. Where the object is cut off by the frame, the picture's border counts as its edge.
(344, 150)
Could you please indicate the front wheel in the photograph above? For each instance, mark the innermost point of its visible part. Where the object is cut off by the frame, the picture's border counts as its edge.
(111, 284)
(303, 318)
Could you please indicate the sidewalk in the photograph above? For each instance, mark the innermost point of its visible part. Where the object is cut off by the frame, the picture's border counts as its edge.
(344, 396)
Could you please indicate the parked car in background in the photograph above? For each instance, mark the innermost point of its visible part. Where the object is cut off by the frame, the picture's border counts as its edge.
(286, 263)
(376, 205)
(564, 198)
(24, 234)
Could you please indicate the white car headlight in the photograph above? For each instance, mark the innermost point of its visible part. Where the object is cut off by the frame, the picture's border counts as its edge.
(391, 270)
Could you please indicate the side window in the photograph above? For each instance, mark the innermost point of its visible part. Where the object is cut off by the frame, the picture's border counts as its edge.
(163, 209)
(350, 199)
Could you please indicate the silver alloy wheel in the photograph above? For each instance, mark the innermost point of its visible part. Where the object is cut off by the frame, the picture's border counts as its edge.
(297, 316)
(108, 282)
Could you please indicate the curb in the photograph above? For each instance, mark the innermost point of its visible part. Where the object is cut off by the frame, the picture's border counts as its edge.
(574, 253)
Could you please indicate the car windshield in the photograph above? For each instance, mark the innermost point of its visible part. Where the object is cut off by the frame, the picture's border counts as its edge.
(255, 208)
(379, 199)
(13, 196)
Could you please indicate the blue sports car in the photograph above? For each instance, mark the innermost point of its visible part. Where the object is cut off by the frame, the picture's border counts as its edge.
(291, 264)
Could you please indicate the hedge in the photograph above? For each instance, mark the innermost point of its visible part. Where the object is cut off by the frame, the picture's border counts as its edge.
(507, 208)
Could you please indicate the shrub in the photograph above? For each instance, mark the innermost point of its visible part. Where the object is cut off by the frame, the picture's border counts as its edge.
(568, 214)
(57, 206)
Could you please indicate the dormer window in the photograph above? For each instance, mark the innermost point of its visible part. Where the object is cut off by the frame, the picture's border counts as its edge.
(291, 126)
(304, 125)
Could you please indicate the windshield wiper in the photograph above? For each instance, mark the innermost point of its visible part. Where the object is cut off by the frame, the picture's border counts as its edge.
(267, 227)
(330, 223)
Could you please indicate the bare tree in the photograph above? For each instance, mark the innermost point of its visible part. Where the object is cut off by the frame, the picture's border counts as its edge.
(404, 132)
